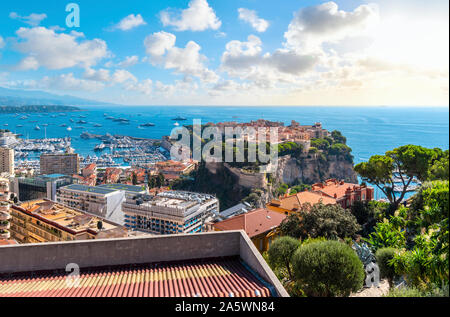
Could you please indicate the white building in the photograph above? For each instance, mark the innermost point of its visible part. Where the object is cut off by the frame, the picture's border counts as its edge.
(104, 200)
(171, 212)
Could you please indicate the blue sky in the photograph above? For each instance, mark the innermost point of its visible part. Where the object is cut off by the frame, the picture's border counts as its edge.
(246, 52)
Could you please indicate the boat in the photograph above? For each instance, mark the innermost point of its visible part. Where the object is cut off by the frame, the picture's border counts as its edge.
(98, 125)
(176, 124)
(71, 120)
(19, 126)
(63, 125)
(149, 124)
(179, 119)
(37, 127)
(81, 122)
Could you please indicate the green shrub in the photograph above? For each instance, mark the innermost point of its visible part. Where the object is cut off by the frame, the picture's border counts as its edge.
(416, 292)
(384, 257)
(281, 251)
(329, 268)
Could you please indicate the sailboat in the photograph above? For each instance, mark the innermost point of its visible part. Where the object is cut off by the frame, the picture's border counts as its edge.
(37, 127)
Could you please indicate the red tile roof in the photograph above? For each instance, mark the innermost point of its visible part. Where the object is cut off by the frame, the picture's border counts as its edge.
(202, 278)
(8, 242)
(334, 188)
(253, 223)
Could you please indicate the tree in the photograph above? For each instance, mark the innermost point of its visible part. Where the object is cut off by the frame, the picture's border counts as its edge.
(329, 268)
(160, 180)
(134, 179)
(281, 251)
(151, 182)
(329, 221)
(403, 163)
(291, 226)
(384, 257)
(367, 213)
(440, 167)
(338, 137)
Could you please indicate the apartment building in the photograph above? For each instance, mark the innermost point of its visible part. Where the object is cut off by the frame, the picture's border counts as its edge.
(61, 163)
(170, 212)
(6, 160)
(104, 200)
(44, 220)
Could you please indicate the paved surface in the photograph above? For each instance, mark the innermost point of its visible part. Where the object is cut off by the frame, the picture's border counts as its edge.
(383, 289)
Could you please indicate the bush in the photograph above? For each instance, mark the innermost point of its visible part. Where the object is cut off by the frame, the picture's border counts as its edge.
(384, 257)
(281, 251)
(416, 292)
(329, 268)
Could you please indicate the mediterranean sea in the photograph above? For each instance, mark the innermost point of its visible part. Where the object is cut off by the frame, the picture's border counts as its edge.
(369, 130)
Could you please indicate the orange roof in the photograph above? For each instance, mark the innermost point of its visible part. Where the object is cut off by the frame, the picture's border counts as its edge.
(333, 188)
(294, 202)
(91, 166)
(253, 223)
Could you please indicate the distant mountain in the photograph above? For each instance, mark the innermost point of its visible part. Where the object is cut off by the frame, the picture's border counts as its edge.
(20, 97)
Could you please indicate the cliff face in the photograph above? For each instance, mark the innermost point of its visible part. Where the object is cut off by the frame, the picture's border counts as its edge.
(232, 185)
(311, 169)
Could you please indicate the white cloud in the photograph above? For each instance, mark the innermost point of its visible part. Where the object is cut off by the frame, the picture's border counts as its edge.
(251, 17)
(46, 48)
(315, 25)
(129, 61)
(162, 51)
(122, 75)
(130, 22)
(2, 42)
(103, 75)
(199, 16)
(33, 19)
(246, 61)
(144, 87)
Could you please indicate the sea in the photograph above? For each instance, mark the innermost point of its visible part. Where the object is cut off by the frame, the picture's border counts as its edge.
(369, 130)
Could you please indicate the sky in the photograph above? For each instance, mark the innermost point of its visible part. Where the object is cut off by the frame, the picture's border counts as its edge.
(230, 52)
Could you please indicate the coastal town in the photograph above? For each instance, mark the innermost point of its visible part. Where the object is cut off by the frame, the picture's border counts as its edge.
(256, 153)
(138, 190)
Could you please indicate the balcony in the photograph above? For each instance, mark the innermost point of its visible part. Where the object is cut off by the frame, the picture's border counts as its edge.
(4, 234)
(4, 225)
(4, 216)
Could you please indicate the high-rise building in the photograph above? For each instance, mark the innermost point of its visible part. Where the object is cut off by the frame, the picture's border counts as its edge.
(6, 160)
(170, 212)
(61, 163)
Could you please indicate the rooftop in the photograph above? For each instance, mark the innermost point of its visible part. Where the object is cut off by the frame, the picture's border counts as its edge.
(90, 189)
(124, 187)
(295, 202)
(253, 223)
(225, 277)
(207, 264)
(64, 217)
(334, 188)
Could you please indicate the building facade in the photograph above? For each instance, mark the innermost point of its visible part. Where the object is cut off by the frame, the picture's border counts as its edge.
(344, 193)
(170, 212)
(6, 160)
(64, 163)
(43, 220)
(40, 187)
(104, 200)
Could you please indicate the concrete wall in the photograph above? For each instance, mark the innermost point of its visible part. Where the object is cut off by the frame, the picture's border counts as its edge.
(137, 250)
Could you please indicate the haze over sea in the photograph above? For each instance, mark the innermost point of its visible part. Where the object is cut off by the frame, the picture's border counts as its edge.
(369, 130)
